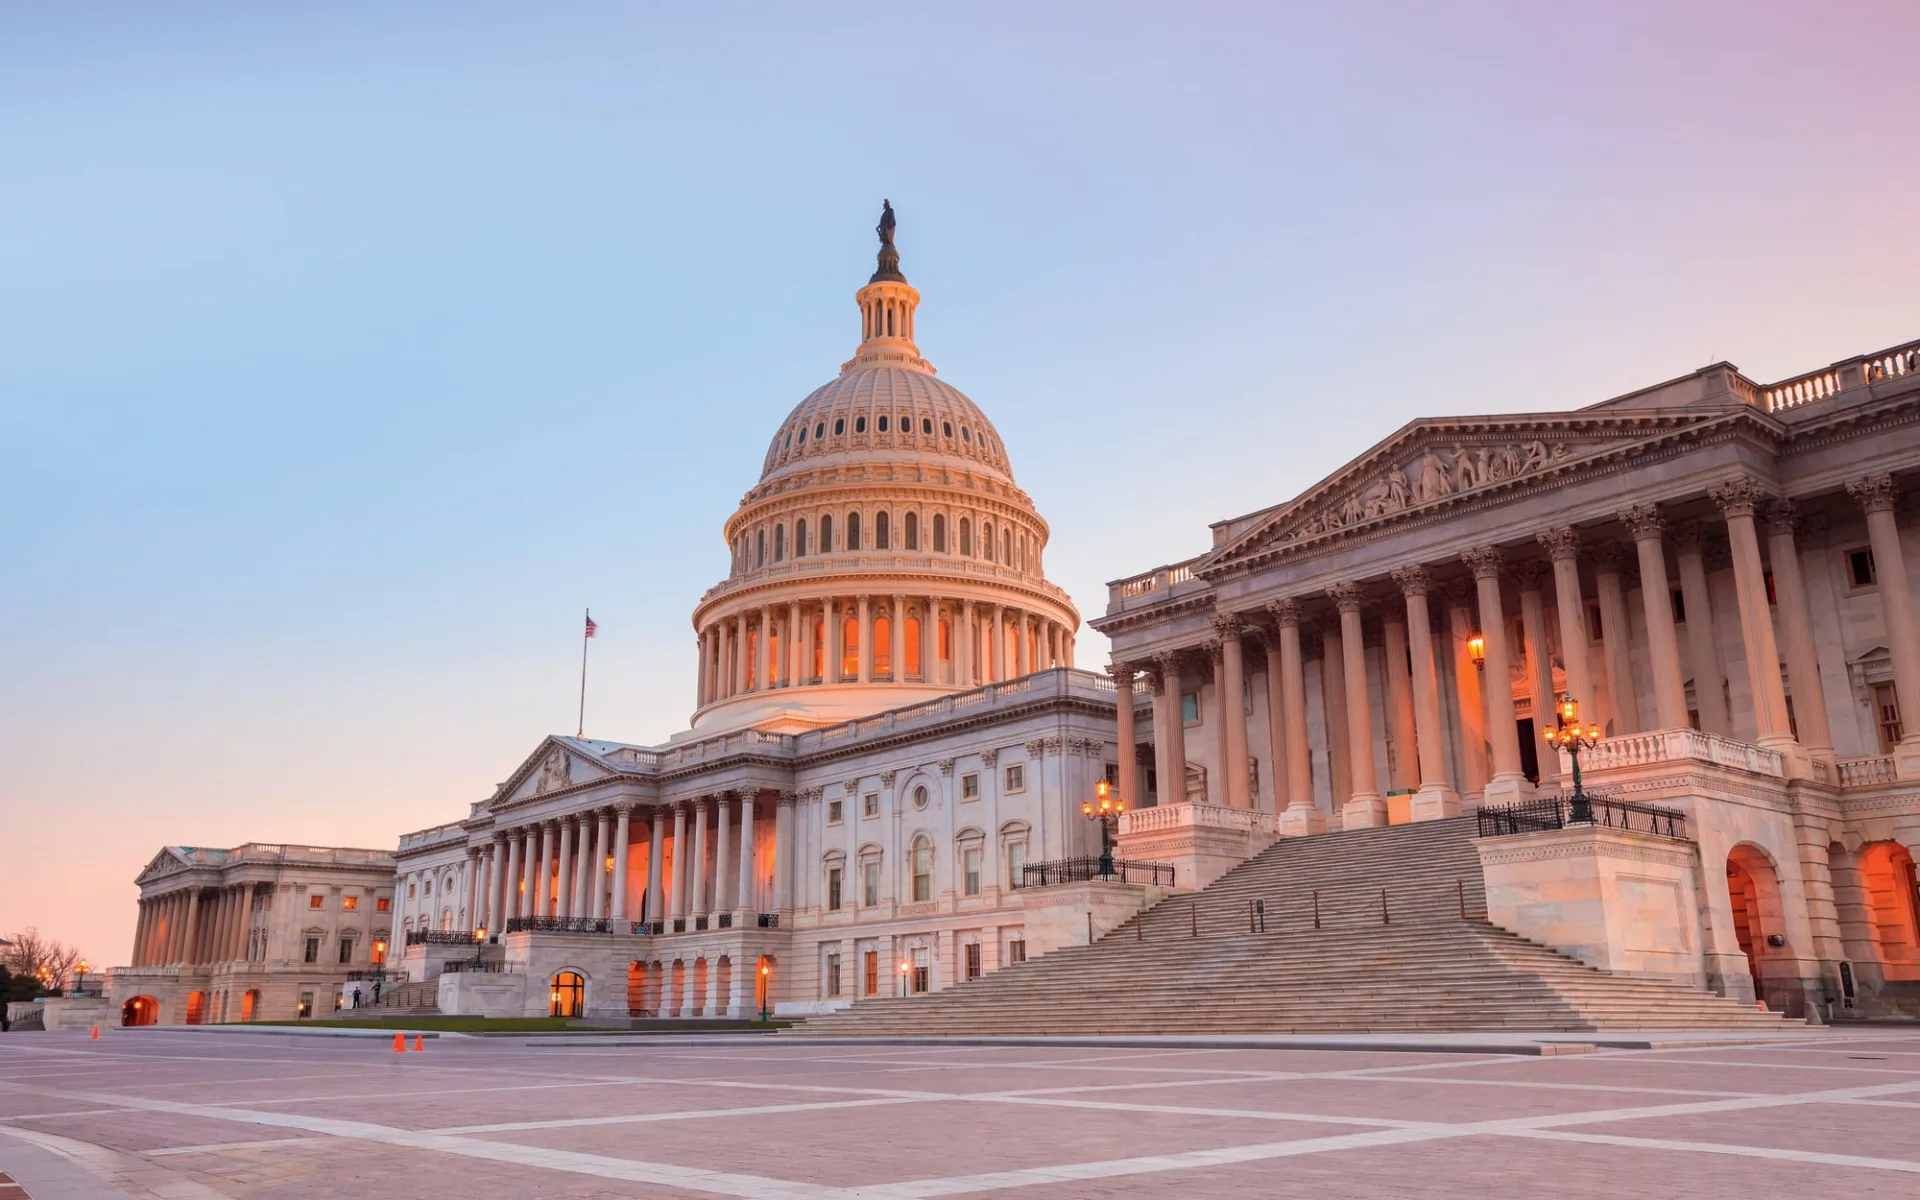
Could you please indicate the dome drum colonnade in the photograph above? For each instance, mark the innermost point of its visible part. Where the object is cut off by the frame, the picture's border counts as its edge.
(1489, 762)
(886, 545)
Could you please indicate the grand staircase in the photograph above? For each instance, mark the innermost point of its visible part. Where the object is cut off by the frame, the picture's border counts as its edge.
(1367, 930)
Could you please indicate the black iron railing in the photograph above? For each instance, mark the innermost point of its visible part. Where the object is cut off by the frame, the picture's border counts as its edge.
(466, 966)
(769, 920)
(726, 920)
(1080, 870)
(439, 937)
(1558, 812)
(579, 925)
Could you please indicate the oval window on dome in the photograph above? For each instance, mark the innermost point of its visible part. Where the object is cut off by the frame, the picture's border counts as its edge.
(789, 442)
(859, 424)
(966, 435)
(803, 435)
(926, 426)
(819, 431)
(883, 424)
(946, 427)
(839, 426)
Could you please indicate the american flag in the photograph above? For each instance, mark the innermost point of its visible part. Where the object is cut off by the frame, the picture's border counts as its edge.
(591, 627)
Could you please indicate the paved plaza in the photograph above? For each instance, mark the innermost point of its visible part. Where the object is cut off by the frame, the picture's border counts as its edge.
(182, 1115)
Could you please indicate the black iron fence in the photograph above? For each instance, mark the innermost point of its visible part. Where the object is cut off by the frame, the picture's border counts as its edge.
(439, 937)
(466, 966)
(1080, 870)
(1558, 812)
(631, 928)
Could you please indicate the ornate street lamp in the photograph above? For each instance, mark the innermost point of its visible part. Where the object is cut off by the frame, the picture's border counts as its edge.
(80, 977)
(1105, 807)
(906, 965)
(379, 963)
(1572, 737)
(766, 986)
(479, 947)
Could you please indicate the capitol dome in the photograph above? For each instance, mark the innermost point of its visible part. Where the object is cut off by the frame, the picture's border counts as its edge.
(885, 555)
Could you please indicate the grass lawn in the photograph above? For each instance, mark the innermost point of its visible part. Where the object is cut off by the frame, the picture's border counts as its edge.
(482, 1025)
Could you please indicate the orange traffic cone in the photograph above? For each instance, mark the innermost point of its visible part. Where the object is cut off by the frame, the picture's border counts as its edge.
(399, 1043)
(419, 1044)
(96, 1033)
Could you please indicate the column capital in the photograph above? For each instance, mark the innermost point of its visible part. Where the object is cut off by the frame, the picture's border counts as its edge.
(1608, 558)
(1739, 496)
(1413, 581)
(1152, 676)
(1875, 493)
(1643, 521)
(1346, 596)
(787, 799)
(1782, 518)
(1562, 542)
(1485, 561)
(1284, 612)
(1213, 648)
(1122, 673)
(1530, 575)
(1227, 624)
(746, 795)
(1688, 537)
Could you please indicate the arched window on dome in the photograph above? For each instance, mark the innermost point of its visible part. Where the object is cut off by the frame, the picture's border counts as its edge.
(986, 540)
(946, 427)
(1006, 545)
(850, 648)
(788, 444)
(926, 426)
(966, 538)
(966, 435)
(882, 531)
(819, 431)
(939, 533)
(883, 422)
(803, 435)
(859, 424)
(912, 530)
(883, 646)
(760, 555)
(779, 543)
(826, 534)
(839, 426)
(853, 531)
(800, 538)
(913, 666)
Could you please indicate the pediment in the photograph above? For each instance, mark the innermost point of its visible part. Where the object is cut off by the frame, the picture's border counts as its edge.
(1436, 462)
(555, 765)
(162, 864)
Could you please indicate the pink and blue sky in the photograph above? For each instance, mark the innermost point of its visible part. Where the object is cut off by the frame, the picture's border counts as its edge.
(348, 351)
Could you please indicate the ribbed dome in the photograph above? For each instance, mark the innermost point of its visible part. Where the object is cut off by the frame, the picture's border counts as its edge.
(879, 411)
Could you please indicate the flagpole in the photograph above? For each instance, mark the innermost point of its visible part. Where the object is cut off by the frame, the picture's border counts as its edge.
(581, 730)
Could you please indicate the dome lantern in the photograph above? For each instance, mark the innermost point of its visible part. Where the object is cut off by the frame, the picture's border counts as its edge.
(887, 306)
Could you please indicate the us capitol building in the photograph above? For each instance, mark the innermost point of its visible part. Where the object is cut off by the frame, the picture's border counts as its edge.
(890, 737)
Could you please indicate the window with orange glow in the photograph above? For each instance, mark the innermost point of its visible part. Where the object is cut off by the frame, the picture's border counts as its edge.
(882, 645)
(913, 646)
(849, 647)
(819, 648)
(946, 641)
(773, 649)
(753, 657)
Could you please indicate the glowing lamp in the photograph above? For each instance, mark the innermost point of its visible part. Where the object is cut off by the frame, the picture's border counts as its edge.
(1477, 649)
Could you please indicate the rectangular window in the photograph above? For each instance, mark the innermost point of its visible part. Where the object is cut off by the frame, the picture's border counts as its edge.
(833, 889)
(833, 976)
(1679, 606)
(922, 971)
(1189, 708)
(834, 808)
(306, 1005)
(870, 984)
(1016, 951)
(1594, 631)
(969, 787)
(1886, 713)
(346, 950)
(1016, 863)
(1773, 597)
(870, 805)
(349, 904)
(313, 950)
(870, 884)
(973, 960)
(383, 904)
(1860, 569)
(316, 901)
(1017, 777)
(413, 890)
(970, 869)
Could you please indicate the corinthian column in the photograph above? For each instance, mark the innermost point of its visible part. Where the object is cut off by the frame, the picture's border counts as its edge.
(1796, 634)
(722, 860)
(1563, 546)
(1170, 746)
(1737, 498)
(1301, 816)
(1703, 646)
(654, 902)
(866, 639)
(1436, 797)
(622, 831)
(1123, 719)
(1509, 781)
(1616, 638)
(1533, 632)
(963, 645)
(1403, 769)
(1364, 807)
(564, 901)
(1276, 719)
(1876, 495)
(1663, 644)
(1233, 720)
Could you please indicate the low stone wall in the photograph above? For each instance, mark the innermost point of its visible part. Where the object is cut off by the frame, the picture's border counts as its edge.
(1071, 914)
(1624, 902)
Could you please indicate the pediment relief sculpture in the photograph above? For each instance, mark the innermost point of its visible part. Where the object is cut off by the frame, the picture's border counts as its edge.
(1431, 473)
(556, 771)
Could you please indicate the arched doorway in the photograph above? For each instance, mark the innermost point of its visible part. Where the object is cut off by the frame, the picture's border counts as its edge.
(141, 1010)
(1893, 907)
(637, 989)
(249, 1004)
(676, 989)
(568, 996)
(1754, 889)
(699, 1004)
(196, 1008)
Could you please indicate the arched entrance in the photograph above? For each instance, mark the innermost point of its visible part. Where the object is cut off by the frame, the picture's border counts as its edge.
(1893, 907)
(1755, 891)
(196, 1008)
(699, 987)
(637, 989)
(141, 1010)
(249, 1004)
(568, 995)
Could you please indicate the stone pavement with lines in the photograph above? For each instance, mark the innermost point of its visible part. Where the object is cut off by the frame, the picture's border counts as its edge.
(183, 1115)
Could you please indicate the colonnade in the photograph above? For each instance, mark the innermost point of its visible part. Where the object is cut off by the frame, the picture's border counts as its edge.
(194, 926)
(1489, 761)
(895, 638)
(576, 867)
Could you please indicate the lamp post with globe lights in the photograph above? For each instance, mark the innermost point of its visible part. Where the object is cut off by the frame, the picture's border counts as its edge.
(1105, 807)
(1571, 736)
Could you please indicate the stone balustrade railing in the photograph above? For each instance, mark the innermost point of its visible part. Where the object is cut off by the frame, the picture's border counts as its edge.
(1865, 772)
(1208, 816)
(1154, 583)
(1675, 745)
(1866, 370)
(825, 565)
